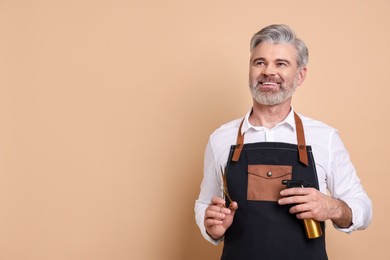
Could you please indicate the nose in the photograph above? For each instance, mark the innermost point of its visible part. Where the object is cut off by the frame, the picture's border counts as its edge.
(268, 70)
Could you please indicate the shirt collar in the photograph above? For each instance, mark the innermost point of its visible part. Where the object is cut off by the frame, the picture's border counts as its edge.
(289, 121)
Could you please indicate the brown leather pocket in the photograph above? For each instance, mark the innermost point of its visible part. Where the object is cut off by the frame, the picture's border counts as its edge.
(264, 181)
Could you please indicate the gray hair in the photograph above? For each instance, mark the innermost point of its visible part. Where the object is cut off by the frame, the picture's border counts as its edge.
(280, 33)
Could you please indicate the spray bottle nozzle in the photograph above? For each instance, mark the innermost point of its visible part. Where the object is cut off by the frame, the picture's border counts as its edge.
(296, 183)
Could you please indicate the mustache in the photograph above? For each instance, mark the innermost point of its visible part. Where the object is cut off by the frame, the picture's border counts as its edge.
(269, 79)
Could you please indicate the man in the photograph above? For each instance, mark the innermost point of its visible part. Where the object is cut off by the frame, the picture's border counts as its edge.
(243, 198)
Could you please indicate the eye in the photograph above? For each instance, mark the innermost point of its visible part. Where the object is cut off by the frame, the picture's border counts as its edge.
(259, 63)
(281, 64)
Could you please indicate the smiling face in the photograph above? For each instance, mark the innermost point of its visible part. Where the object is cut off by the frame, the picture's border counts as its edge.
(274, 74)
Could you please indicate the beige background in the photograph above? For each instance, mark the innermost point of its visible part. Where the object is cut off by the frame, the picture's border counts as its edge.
(106, 108)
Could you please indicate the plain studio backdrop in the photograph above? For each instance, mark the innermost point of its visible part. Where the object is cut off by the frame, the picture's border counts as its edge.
(106, 108)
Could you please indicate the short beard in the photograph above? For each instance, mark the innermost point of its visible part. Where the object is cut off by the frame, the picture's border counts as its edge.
(272, 98)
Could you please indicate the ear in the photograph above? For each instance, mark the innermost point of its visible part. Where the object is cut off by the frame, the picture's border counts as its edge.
(301, 75)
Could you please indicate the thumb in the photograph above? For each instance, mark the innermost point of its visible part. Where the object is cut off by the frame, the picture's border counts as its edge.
(233, 207)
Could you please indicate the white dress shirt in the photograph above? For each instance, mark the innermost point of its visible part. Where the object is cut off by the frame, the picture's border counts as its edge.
(336, 173)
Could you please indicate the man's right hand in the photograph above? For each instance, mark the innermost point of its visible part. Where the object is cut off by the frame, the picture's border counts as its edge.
(218, 218)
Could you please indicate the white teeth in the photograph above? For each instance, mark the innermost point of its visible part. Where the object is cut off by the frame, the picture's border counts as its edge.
(269, 83)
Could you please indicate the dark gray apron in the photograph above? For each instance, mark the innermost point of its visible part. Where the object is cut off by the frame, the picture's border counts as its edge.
(263, 229)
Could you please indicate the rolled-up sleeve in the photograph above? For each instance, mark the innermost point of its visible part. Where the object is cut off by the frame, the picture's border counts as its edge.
(344, 184)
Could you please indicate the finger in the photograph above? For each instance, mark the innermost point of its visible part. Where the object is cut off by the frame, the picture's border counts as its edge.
(212, 222)
(300, 208)
(293, 200)
(216, 212)
(217, 208)
(218, 201)
(295, 191)
(304, 215)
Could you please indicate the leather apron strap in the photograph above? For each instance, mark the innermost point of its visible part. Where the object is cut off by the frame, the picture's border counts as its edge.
(300, 140)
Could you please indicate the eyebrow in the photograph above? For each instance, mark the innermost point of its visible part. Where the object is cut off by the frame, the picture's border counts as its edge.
(276, 61)
(257, 59)
(283, 60)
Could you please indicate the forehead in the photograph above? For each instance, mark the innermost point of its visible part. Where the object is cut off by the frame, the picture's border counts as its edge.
(271, 52)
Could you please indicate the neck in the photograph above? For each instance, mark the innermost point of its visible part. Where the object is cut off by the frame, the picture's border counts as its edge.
(269, 116)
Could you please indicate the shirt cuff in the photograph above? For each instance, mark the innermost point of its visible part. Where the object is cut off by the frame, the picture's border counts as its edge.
(359, 219)
(199, 217)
